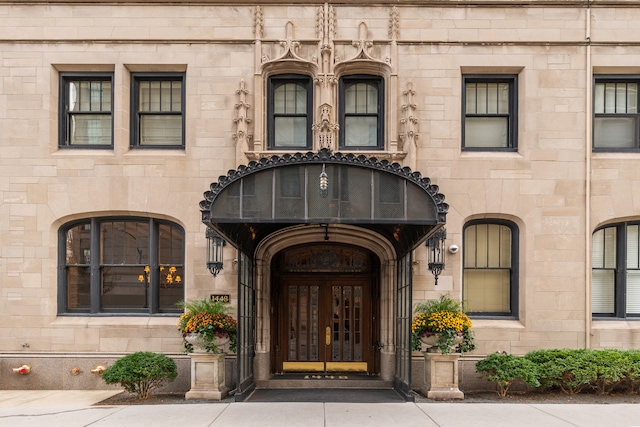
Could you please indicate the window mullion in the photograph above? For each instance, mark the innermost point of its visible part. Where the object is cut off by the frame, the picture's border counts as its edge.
(154, 282)
(96, 271)
(621, 276)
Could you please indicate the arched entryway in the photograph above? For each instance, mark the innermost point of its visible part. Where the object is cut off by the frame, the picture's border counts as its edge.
(300, 201)
(326, 310)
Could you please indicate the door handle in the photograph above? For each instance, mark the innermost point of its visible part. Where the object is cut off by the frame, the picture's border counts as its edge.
(328, 335)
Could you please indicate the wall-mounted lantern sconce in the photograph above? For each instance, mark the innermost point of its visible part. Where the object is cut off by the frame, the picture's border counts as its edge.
(215, 252)
(435, 245)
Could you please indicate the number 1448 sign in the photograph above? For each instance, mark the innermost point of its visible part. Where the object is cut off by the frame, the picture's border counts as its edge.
(221, 297)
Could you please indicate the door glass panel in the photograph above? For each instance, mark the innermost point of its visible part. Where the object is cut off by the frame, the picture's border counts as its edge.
(327, 325)
(293, 322)
(346, 323)
(336, 310)
(357, 323)
(303, 309)
(314, 327)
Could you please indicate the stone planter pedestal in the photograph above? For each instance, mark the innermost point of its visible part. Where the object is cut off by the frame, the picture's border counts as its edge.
(207, 377)
(441, 376)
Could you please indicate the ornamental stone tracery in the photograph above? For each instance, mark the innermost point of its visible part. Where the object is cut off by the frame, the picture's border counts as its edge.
(323, 60)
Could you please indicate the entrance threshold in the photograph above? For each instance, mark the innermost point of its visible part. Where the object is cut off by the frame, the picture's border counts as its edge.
(319, 380)
(326, 395)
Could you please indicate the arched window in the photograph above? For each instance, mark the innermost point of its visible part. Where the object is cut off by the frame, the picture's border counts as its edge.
(120, 265)
(490, 282)
(289, 112)
(361, 113)
(615, 271)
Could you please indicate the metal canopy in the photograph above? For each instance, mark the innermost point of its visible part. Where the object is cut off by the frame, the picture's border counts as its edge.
(254, 201)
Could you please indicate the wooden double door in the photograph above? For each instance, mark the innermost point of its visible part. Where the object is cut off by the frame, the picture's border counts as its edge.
(326, 323)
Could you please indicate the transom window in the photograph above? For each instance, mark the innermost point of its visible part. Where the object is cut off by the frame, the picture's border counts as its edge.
(490, 282)
(615, 108)
(86, 110)
(157, 111)
(362, 113)
(290, 112)
(615, 273)
(489, 113)
(120, 265)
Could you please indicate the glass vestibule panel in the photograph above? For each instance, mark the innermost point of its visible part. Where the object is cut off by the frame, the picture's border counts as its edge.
(245, 346)
(402, 380)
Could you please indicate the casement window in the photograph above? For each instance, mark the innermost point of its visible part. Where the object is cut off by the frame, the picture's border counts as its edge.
(615, 271)
(490, 275)
(489, 115)
(120, 265)
(289, 110)
(615, 114)
(86, 110)
(361, 109)
(157, 110)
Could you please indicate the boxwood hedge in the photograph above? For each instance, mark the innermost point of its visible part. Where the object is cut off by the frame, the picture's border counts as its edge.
(570, 370)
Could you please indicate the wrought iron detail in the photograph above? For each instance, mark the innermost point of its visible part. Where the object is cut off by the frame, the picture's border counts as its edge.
(326, 259)
(327, 157)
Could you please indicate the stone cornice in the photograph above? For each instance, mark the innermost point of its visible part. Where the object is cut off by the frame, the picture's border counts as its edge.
(414, 3)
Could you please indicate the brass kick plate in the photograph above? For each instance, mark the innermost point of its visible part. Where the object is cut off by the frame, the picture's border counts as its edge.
(347, 366)
(303, 366)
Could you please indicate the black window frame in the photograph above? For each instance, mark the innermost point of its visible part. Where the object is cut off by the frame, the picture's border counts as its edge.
(620, 274)
(275, 82)
(609, 78)
(514, 270)
(93, 264)
(344, 83)
(64, 116)
(136, 79)
(512, 115)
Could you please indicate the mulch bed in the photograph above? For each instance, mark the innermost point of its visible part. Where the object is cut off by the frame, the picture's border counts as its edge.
(553, 397)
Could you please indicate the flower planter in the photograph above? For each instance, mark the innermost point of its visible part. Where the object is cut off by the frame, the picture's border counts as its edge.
(432, 340)
(199, 343)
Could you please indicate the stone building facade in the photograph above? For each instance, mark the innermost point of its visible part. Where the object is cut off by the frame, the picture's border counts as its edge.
(116, 117)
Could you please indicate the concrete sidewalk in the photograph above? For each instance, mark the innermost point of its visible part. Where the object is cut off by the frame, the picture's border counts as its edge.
(73, 409)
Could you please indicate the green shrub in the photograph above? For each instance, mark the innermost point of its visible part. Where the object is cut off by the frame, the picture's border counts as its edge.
(631, 380)
(505, 369)
(571, 370)
(561, 368)
(141, 372)
(574, 371)
(609, 369)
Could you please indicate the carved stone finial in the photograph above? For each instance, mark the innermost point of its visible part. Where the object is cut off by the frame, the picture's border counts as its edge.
(258, 27)
(362, 44)
(320, 22)
(408, 136)
(290, 45)
(394, 23)
(242, 122)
